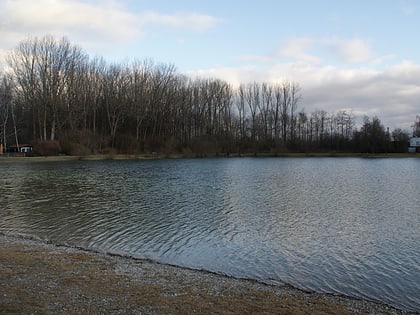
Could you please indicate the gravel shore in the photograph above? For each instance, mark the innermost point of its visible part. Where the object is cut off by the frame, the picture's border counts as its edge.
(40, 278)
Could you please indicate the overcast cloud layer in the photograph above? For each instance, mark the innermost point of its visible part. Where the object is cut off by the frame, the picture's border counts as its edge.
(335, 73)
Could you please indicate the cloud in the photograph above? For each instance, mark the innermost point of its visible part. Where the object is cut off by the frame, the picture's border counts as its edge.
(383, 59)
(234, 75)
(90, 23)
(363, 90)
(188, 21)
(391, 94)
(297, 50)
(303, 49)
(54, 16)
(351, 50)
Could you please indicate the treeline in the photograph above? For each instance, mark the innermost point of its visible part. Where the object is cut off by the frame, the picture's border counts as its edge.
(58, 98)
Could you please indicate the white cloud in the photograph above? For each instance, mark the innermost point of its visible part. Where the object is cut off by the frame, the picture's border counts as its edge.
(329, 87)
(90, 23)
(52, 16)
(405, 71)
(391, 94)
(383, 59)
(235, 76)
(297, 49)
(351, 50)
(307, 50)
(190, 21)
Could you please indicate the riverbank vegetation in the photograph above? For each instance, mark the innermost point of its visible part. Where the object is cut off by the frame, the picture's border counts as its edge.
(57, 98)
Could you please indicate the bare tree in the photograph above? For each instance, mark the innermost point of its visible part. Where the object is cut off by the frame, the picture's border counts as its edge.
(416, 127)
(240, 104)
(252, 98)
(43, 68)
(265, 109)
(290, 98)
(278, 96)
(5, 105)
(66, 96)
(301, 126)
(115, 98)
(140, 92)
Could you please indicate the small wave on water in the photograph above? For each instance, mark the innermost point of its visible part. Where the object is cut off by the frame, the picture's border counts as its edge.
(38, 241)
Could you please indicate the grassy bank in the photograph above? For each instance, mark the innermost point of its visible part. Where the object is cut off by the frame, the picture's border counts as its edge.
(93, 157)
(101, 157)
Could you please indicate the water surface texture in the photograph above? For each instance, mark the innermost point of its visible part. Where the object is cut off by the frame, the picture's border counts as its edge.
(338, 225)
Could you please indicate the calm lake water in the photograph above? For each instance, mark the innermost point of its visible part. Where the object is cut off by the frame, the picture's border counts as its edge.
(338, 225)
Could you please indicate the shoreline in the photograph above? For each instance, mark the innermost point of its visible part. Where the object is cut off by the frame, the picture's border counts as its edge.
(41, 277)
(103, 157)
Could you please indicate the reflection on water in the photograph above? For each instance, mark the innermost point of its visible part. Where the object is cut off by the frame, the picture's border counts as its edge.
(348, 226)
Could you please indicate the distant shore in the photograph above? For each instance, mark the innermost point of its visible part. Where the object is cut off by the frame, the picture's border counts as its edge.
(101, 157)
(36, 277)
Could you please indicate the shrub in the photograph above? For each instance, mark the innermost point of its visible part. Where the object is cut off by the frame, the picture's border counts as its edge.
(46, 148)
(73, 148)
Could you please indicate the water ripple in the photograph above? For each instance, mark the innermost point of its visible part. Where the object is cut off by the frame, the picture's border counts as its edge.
(346, 226)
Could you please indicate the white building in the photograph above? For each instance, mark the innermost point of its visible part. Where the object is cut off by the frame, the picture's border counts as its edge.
(414, 144)
(21, 148)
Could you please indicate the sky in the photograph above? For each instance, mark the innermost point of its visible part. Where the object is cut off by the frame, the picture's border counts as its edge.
(362, 56)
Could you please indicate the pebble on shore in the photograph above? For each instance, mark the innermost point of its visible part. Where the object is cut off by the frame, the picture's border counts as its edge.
(41, 278)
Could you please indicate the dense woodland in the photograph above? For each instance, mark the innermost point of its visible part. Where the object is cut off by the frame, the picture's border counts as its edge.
(60, 100)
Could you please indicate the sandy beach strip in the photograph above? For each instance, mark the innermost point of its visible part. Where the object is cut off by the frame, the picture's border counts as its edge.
(41, 278)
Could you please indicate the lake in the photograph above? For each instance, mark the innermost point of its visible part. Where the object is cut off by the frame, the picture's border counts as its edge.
(333, 225)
